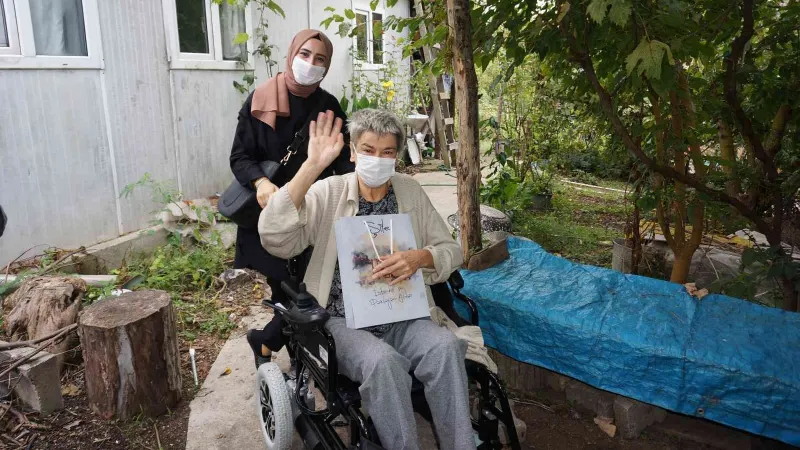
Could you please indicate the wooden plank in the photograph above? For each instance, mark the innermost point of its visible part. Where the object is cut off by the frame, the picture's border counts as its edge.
(449, 121)
(444, 96)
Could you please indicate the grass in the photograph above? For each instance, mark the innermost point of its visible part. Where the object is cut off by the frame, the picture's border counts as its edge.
(189, 274)
(580, 226)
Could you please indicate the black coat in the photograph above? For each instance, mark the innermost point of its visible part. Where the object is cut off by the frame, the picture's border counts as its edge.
(256, 141)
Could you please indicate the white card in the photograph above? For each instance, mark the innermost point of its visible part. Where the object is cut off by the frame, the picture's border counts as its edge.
(361, 243)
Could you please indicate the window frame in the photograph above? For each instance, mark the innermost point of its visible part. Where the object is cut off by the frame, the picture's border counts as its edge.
(213, 60)
(21, 54)
(369, 64)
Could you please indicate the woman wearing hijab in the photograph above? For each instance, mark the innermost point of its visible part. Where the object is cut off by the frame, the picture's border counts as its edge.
(268, 122)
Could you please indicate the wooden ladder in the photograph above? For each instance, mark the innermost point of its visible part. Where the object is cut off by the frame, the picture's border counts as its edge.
(444, 124)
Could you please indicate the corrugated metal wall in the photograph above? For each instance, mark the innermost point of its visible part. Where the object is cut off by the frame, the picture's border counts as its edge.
(138, 95)
(206, 105)
(61, 150)
(56, 182)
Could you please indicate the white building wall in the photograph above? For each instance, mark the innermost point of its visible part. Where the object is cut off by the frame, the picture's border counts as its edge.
(71, 140)
(56, 183)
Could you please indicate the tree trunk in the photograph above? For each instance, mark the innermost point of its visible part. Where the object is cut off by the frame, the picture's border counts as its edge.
(681, 266)
(131, 353)
(728, 154)
(468, 158)
(43, 305)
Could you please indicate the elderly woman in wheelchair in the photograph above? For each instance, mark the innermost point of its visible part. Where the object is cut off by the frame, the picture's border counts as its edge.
(381, 359)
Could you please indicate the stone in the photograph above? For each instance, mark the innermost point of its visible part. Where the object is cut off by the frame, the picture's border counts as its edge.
(557, 382)
(518, 376)
(491, 220)
(595, 400)
(632, 416)
(37, 382)
(519, 425)
(706, 432)
(496, 236)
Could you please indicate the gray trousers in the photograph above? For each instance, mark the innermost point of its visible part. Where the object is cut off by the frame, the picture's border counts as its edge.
(382, 367)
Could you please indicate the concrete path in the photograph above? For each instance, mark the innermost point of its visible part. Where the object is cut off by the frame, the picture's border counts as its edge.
(223, 414)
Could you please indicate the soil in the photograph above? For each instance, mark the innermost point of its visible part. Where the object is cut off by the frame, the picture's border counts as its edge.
(566, 428)
(76, 427)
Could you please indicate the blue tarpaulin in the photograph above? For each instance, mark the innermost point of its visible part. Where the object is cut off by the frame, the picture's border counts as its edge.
(721, 358)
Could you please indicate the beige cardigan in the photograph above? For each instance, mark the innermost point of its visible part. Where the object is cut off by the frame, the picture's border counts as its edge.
(286, 231)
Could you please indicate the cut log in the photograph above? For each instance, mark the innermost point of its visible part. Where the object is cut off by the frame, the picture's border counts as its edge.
(43, 305)
(130, 349)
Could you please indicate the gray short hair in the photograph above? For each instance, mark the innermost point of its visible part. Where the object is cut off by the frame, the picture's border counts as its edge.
(378, 121)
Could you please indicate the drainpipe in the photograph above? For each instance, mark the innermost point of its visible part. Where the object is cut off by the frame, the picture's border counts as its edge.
(308, 8)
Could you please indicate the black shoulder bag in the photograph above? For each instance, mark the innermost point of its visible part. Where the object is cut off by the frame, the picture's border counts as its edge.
(239, 203)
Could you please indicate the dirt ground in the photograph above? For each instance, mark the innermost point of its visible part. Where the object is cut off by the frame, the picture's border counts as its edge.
(76, 427)
(557, 426)
(563, 427)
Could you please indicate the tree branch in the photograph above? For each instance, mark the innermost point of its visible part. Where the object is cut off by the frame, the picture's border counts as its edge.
(773, 142)
(585, 61)
(732, 93)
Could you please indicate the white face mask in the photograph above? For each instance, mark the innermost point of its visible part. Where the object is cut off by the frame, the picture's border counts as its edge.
(374, 171)
(305, 73)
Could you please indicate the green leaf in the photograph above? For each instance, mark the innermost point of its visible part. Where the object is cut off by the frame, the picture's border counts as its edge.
(440, 33)
(597, 10)
(373, 4)
(349, 14)
(749, 256)
(563, 12)
(344, 103)
(620, 12)
(338, 18)
(391, 3)
(240, 39)
(330, 9)
(274, 7)
(647, 57)
(327, 22)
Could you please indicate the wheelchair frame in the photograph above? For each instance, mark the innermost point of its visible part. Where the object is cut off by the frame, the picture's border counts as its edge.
(313, 349)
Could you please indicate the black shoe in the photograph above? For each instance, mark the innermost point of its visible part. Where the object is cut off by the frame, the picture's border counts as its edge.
(254, 340)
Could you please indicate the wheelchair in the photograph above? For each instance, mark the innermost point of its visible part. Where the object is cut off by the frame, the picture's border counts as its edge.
(286, 402)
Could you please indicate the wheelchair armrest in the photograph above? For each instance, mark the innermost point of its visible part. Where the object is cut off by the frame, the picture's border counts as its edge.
(305, 311)
(473, 310)
(456, 281)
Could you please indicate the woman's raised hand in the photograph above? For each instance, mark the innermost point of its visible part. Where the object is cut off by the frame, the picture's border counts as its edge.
(325, 139)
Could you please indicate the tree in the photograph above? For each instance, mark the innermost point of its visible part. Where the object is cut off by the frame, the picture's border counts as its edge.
(681, 83)
(468, 156)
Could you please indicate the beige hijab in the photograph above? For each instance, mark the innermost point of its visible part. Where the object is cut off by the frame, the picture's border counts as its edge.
(271, 98)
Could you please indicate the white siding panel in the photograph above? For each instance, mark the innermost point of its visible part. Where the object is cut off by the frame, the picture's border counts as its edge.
(55, 175)
(140, 113)
(207, 105)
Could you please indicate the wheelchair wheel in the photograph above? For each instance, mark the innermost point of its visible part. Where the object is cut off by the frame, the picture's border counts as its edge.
(274, 407)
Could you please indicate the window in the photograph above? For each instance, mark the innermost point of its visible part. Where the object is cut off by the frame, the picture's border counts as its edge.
(205, 34)
(42, 34)
(369, 37)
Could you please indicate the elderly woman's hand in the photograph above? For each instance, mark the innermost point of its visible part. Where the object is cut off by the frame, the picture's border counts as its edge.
(325, 139)
(402, 265)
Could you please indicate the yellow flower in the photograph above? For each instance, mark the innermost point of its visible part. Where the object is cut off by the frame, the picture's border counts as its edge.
(389, 96)
(388, 84)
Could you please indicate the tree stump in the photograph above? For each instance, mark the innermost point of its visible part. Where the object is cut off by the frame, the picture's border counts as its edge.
(130, 349)
(43, 305)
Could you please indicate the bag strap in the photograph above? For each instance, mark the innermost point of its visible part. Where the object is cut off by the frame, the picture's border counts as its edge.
(302, 136)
